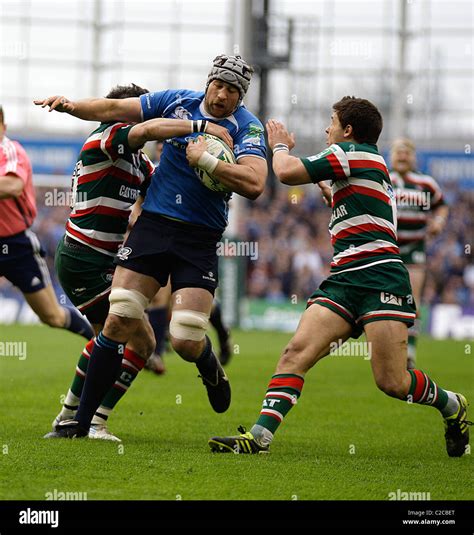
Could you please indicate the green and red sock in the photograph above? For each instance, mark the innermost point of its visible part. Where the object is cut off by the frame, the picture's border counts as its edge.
(425, 391)
(282, 393)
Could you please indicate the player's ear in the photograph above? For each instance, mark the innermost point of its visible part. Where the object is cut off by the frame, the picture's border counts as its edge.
(348, 131)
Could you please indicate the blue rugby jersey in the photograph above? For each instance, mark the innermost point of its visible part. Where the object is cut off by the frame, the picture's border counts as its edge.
(175, 189)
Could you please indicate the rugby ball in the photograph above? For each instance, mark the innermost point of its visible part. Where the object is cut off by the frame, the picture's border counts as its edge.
(221, 151)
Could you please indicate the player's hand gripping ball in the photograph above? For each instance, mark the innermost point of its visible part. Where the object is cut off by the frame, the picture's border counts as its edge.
(221, 151)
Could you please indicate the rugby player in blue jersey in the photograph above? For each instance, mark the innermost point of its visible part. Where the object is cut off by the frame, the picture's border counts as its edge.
(178, 230)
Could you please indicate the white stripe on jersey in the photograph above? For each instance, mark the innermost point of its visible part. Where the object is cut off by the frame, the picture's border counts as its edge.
(96, 234)
(88, 169)
(342, 159)
(371, 184)
(363, 219)
(93, 137)
(360, 155)
(120, 163)
(103, 140)
(129, 168)
(364, 248)
(103, 201)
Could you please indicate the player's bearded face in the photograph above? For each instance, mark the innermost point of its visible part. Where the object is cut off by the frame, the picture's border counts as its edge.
(221, 98)
(403, 160)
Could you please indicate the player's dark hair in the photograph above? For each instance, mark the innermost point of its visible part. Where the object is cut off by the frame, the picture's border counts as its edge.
(126, 91)
(362, 115)
(2, 117)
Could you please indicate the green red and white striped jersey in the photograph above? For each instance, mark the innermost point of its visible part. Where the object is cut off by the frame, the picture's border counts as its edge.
(107, 180)
(416, 195)
(364, 215)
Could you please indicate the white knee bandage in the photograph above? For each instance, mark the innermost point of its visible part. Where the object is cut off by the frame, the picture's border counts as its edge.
(189, 325)
(127, 303)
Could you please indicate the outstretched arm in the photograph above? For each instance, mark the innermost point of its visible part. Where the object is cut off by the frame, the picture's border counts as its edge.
(161, 129)
(96, 109)
(288, 169)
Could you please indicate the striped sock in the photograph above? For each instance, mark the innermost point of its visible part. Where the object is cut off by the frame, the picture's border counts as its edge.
(132, 364)
(426, 392)
(81, 370)
(282, 393)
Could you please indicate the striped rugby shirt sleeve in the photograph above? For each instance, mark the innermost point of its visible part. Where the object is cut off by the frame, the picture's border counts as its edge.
(330, 164)
(114, 141)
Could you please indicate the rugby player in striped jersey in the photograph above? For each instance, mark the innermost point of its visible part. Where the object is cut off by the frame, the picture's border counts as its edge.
(368, 288)
(110, 176)
(21, 255)
(421, 212)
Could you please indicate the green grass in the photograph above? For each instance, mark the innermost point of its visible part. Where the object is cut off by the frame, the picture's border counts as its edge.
(165, 455)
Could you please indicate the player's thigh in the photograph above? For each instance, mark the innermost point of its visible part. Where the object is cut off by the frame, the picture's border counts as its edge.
(163, 297)
(197, 299)
(132, 280)
(318, 329)
(387, 341)
(417, 279)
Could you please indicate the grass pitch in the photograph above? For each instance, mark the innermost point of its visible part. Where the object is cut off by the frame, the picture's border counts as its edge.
(345, 440)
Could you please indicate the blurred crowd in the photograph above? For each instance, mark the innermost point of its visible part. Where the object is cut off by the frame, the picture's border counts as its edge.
(294, 248)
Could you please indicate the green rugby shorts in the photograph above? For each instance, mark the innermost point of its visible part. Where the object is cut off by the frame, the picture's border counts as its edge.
(86, 277)
(375, 293)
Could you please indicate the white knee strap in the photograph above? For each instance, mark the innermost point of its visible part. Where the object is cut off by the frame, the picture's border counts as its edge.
(189, 325)
(127, 303)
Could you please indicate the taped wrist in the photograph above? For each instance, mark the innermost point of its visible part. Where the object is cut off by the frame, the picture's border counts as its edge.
(208, 162)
